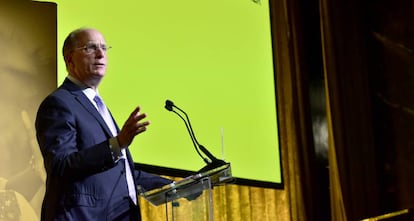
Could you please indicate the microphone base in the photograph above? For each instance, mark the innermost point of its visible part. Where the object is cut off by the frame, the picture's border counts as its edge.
(213, 165)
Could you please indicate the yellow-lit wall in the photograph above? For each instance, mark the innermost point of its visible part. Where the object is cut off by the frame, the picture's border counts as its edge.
(27, 74)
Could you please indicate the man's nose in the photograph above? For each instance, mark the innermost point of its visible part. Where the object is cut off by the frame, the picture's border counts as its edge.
(100, 52)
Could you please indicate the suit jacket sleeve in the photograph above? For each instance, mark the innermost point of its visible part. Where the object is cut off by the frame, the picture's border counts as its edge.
(149, 181)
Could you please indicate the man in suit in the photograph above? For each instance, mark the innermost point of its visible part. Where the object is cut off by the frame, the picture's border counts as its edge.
(90, 172)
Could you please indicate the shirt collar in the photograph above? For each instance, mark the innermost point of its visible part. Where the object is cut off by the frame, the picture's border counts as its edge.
(89, 92)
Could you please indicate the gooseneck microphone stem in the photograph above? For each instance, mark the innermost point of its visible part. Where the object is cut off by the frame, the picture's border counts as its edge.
(201, 147)
(188, 126)
(214, 162)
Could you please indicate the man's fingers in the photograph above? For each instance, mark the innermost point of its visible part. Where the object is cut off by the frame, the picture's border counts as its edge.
(135, 112)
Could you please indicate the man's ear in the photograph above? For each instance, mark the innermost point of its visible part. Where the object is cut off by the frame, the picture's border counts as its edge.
(68, 60)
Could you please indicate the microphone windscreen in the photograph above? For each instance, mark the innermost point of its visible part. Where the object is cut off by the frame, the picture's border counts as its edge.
(169, 105)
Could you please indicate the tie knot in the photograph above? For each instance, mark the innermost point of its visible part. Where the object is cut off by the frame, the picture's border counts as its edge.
(98, 101)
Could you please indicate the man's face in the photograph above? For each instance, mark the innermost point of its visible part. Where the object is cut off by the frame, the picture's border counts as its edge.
(87, 62)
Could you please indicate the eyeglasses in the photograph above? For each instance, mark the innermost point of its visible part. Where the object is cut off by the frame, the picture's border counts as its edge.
(92, 48)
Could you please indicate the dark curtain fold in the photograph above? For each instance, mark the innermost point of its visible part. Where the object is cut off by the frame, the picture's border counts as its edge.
(353, 178)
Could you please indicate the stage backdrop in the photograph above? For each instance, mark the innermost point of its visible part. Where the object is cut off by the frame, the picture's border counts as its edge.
(212, 58)
(27, 73)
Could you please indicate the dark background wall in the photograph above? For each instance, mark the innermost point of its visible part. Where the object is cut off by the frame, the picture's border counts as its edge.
(367, 52)
(391, 44)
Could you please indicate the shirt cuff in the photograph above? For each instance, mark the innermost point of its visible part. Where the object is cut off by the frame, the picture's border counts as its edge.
(115, 149)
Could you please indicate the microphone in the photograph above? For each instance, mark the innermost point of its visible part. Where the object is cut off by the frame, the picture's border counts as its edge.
(169, 106)
(212, 162)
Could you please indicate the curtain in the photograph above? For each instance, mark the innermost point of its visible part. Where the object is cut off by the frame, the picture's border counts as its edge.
(352, 154)
(231, 202)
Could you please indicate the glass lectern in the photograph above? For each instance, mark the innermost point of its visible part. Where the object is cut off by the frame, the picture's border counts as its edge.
(190, 198)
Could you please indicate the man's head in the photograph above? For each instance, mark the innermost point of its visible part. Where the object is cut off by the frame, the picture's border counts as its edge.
(84, 51)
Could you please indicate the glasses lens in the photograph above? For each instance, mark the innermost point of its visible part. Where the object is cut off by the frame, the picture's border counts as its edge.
(92, 48)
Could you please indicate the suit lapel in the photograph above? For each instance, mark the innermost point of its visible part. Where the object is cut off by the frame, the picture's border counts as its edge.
(86, 103)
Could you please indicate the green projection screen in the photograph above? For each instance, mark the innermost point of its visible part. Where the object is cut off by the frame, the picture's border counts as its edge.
(212, 58)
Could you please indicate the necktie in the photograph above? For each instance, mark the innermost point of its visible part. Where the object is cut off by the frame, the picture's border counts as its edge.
(105, 114)
(103, 110)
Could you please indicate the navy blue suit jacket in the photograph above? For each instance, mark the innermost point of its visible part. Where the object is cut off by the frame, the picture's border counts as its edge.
(83, 182)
